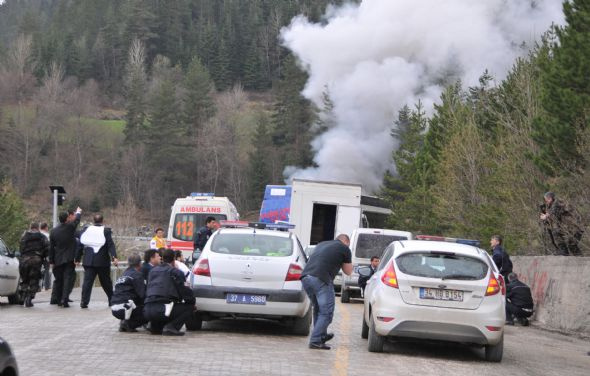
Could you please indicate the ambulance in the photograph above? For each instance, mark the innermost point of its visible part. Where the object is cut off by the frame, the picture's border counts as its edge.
(189, 214)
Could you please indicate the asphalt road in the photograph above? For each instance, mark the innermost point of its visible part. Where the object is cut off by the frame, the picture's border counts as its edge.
(49, 340)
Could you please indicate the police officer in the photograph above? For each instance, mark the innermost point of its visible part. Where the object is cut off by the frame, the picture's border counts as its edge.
(169, 303)
(127, 300)
(99, 251)
(34, 247)
(519, 301)
(500, 257)
(204, 233)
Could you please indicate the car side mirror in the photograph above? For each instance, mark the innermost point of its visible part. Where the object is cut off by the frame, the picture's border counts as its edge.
(364, 271)
(196, 254)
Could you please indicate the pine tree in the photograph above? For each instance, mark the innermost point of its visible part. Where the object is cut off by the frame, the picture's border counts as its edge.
(198, 104)
(136, 87)
(12, 215)
(565, 93)
(260, 170)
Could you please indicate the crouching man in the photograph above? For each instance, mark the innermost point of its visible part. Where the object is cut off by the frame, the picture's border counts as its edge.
(168, 303)
(127, 299)
(519, 301)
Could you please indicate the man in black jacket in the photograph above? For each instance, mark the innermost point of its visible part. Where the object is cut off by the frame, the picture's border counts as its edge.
(62, 251)
(519, 301)
(168, 303)
(151, 258)
(204, 233)
(362, 282)
(127, 300)
(34, 247)
(96, 242)
(500, 257)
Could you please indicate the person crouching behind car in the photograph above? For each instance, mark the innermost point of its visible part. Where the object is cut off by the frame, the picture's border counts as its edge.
(169, 303)
(127, 300)
(519, 301)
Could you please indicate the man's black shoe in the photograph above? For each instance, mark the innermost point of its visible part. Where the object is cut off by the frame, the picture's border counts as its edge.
(327, 337)
(70, 301)
(54, 302)
(509, 322)
(83, 305)
(65, 305)
(124, 327)
(319, 346)
(172, 332)
(523, 321)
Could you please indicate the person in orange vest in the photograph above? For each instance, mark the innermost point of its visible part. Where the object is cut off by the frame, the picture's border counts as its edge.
(158, 241)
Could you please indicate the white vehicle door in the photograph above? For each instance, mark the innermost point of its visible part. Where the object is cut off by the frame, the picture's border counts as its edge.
(347, 219)
(8, 272)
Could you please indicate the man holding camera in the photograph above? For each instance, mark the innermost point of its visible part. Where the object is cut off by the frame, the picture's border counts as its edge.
(563, 225)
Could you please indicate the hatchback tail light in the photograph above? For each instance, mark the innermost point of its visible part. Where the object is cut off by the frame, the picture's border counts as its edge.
(389, 277)
(294, 273)
(493, 286)
(202, 268)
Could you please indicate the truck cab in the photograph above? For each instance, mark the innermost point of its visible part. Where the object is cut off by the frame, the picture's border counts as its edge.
(364, 244)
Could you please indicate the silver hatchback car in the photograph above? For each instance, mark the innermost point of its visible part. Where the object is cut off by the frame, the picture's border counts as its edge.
(436, 290)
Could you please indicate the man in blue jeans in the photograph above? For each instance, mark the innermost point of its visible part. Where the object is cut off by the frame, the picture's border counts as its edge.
(317, 280)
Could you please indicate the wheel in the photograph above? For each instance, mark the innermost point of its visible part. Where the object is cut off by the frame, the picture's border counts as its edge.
(301, 325)
(365, 329)
(17, 297)
(345, 296)
(494, 352)
(376, 341)
(194, 323)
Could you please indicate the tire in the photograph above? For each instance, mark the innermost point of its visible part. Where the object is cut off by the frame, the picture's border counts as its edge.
(345, 296)
(194, 323)
(18, 297)
(302, 325)
(365, 329)
(494, 352)
(376, 341)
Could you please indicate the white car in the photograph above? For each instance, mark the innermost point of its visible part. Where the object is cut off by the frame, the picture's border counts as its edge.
(251, 272)
(9, 274)
(436, 290)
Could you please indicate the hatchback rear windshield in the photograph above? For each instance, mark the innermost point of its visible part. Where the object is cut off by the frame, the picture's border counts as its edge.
(369, 245)
(252, 245)
(445, 266)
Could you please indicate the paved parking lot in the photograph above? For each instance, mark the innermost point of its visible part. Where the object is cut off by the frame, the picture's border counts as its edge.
(49, 340)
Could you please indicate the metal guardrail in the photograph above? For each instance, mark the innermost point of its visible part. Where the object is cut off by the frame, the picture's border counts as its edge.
(132, 238)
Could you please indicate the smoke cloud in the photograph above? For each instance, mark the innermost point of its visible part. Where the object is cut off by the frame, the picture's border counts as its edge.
(378, 56)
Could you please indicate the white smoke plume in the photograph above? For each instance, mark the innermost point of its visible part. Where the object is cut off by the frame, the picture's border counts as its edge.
(379, 55)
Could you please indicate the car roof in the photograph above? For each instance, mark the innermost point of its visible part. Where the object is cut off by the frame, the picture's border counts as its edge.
(429, 245)
(249, 230)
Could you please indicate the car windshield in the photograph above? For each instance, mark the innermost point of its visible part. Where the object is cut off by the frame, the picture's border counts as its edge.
(252, 245)
(187, 225)
(444, 266)
(369, 245)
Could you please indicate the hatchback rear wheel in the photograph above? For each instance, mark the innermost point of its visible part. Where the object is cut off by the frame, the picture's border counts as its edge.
(494, 352)
(365, 329)
(376, 341)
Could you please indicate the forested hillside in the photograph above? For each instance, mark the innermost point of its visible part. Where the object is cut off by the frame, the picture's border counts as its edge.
(134, 103)
(129, 104)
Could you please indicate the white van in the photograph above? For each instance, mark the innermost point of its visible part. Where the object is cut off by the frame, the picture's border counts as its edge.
(364, 244)
(189, 215)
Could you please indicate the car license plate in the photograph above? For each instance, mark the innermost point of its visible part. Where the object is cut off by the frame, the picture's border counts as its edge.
(245, 299)
(441, 294)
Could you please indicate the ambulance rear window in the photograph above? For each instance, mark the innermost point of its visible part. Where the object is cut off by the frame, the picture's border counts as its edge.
(186, 225)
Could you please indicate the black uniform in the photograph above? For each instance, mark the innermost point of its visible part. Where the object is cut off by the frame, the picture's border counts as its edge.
(166, 285)
(362, 282)
(99, 249)
(519, 301)
(201, 238)
(130, 286)
(34, 248)
(62, 250)
(502, 261)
